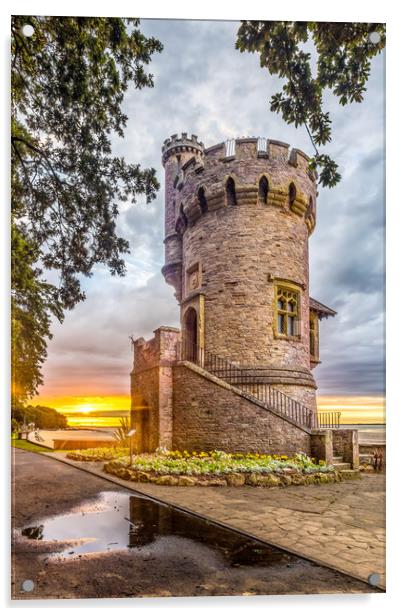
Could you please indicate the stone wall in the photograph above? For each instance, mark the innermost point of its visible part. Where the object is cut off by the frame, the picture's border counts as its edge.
(346, 444)
(151, 389)
(209, 414)
(322, 446)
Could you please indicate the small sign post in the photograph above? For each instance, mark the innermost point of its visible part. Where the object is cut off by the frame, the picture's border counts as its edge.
(130, 435)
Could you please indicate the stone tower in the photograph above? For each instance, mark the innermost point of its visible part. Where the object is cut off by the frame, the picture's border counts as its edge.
(237, 374)
(238, 218)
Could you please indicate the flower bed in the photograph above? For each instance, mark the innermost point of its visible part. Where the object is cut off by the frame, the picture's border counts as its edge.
(213, 468)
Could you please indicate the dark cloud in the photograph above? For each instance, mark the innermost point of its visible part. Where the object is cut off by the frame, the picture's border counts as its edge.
(204, 86)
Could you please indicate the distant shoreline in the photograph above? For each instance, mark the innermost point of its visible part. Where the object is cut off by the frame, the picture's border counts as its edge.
(364, 425)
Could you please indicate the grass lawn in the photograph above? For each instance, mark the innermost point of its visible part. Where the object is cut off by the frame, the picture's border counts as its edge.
(20, 443)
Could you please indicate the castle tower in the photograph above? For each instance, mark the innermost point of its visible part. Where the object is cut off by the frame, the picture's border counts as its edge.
(238, 218)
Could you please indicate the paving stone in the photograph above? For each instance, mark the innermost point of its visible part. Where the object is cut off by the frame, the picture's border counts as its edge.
(326, 537)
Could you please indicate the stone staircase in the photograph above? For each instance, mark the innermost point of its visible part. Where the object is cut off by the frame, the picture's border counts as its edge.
(255, 389)
(345, 468)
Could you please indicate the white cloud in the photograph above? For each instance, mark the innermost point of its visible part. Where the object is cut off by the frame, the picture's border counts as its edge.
(204, 86)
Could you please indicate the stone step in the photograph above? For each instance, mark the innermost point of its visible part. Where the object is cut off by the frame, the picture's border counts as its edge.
(350, 474)
(365, 457)
(341, 466)
(337, 459)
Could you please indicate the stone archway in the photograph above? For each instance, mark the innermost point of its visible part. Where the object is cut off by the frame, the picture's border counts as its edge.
(140, 420)
(190, 334)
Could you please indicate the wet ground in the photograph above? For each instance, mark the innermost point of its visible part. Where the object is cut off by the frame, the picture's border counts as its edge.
(79, 536)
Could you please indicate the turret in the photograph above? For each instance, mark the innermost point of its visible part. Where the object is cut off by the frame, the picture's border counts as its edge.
(238, 218)
(177, 153)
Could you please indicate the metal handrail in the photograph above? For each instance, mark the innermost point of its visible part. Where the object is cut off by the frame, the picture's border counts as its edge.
(264, 393)
(241, 378)
(329, 419)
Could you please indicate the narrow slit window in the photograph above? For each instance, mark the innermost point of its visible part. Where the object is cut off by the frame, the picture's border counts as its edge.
(263, 190)
(292, 193)
(202, 201)
(231, 192)
(314, 353)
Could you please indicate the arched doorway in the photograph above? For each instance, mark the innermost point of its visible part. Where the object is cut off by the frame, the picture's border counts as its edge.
(190, 334)
(140, 420)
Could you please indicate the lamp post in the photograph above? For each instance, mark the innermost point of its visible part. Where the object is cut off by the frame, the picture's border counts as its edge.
(130, 435)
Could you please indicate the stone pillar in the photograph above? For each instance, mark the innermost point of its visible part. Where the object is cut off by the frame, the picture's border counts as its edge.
(346, 444)
(321, 445)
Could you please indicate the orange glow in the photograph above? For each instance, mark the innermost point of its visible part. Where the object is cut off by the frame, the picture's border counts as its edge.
(89, 411)
(85, 404)
(355, 409)
(80, 410)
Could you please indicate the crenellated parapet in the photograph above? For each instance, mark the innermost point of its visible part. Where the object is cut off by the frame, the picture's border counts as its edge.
(176, 145)
(262, 175)
(291, 185)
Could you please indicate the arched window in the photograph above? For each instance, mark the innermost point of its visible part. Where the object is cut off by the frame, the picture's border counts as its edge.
(313, 336)
(231, 192)
(190, 335)
(287, 312)
(202, 201)
(263, 188)
(292, 193)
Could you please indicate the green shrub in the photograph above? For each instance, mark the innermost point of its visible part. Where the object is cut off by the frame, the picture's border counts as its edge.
(44, 417)
(202, 463)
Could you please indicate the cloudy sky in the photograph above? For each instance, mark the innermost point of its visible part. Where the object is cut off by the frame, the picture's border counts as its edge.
(203, 85)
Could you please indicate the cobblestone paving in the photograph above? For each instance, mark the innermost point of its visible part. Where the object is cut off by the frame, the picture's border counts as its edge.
(340, 525)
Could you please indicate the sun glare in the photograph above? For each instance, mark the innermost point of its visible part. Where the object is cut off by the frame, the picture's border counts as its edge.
(85, 408)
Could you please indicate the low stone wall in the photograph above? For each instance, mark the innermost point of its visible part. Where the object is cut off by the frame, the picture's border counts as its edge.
(264, 480)
(346, 444)
(210, 414)
(86, 444)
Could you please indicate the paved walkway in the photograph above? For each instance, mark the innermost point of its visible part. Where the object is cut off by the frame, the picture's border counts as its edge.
(339, 525)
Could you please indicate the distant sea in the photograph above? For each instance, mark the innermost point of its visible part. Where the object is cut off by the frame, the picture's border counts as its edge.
(368, 433)
(104, 420)
(96, 419)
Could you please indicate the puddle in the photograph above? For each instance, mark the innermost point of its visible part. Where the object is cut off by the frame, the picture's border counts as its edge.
(120, 521)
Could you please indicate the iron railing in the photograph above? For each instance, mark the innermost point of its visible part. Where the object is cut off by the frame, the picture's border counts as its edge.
(248, 383)
(253, 386)
(329, 419)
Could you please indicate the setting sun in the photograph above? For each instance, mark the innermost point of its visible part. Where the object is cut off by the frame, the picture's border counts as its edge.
(86, 408)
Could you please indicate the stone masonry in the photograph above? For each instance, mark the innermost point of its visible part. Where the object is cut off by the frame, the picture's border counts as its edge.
(237, 221)
(234, 424)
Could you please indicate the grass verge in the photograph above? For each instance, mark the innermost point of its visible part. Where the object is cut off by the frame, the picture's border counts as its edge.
(20, 443)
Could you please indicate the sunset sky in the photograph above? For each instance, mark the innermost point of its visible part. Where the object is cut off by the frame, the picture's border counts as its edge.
(206, 87)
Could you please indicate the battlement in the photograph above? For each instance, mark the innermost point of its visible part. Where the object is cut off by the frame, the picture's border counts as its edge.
(176, 144)
(264, 148)
(263, 177)
(199, 185)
